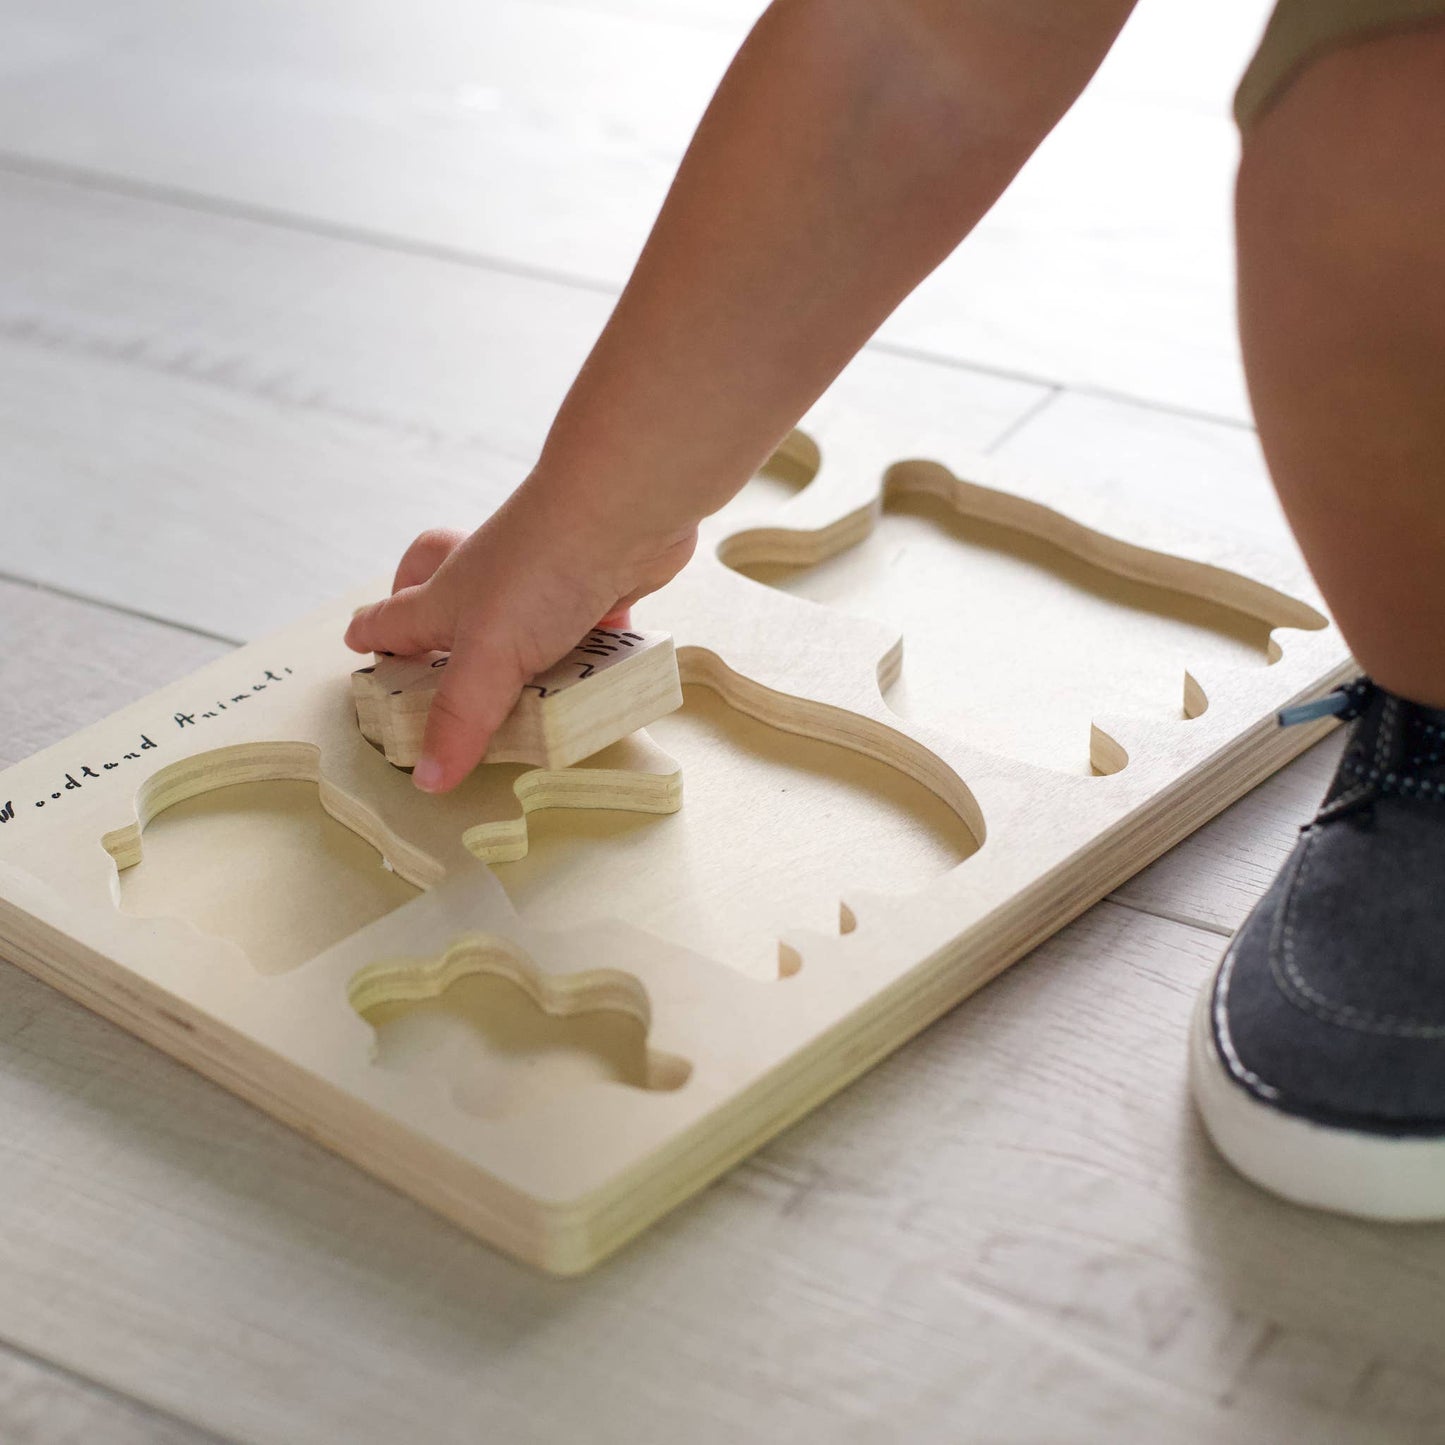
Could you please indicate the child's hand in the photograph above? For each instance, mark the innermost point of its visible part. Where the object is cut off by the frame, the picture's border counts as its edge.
(506, 602)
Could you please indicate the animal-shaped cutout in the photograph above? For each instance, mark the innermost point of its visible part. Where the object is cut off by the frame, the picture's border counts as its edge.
(612, 683)
(264, 865)
(240, 843)
(503, 1034)
(777, 828)
(1018, 628)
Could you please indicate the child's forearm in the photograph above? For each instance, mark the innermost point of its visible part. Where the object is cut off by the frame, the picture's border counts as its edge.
(849, 148)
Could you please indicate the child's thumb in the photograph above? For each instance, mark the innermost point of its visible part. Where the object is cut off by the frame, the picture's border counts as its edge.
(407, 622)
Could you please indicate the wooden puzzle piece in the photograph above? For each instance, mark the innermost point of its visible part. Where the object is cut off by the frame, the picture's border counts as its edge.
(612, 683)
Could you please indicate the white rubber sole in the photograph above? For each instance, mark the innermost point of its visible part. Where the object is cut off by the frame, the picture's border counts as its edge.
(1371, 1176)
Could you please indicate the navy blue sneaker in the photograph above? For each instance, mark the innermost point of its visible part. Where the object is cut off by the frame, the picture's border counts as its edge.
(1318, 1053)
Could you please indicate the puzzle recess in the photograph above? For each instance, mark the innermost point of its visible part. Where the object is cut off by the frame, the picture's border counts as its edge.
(77, 778)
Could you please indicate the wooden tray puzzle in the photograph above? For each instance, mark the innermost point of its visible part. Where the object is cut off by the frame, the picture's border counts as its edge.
(557, 1002)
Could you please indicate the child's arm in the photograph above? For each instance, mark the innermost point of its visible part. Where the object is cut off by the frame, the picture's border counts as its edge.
(849, 147)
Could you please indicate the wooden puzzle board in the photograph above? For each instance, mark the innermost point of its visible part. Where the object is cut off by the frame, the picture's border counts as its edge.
(931, 714)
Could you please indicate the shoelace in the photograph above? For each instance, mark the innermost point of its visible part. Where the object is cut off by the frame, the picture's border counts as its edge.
(1345, 702)
(1387, 774)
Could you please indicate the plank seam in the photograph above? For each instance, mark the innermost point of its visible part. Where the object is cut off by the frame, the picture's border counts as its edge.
(76, 1377)
(1024, 418)
(1169, 915)
(37, 586)
(85, 178)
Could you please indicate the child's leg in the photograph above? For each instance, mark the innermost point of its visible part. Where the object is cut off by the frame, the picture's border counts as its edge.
(1318, 1054)
(1341, 221)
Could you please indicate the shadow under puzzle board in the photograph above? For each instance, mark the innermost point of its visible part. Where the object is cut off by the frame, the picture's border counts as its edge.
(928, 720)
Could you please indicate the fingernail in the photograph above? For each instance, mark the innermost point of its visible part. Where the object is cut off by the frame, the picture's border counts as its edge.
(427, 775)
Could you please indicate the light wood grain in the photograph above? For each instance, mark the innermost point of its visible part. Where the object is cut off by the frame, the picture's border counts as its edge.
(976, 602)
(1110, 249)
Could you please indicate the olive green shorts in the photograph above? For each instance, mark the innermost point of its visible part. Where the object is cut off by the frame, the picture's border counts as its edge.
(1299, 30)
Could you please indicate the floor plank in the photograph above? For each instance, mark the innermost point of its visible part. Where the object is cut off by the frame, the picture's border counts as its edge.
(1200, 471)
(68, 664)
(40, 1405)
(1107, 266)
(107, 660)
(208, 506)
(1214, 878)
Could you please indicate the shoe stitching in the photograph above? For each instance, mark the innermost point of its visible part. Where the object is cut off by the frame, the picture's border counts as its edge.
(1224, 1040)
(1303, 995)
(1389, 784)
(1367, 773)
(1386, 736)
(1342, 804)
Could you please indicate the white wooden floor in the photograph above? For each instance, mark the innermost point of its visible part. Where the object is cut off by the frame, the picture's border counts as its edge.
(281, 283)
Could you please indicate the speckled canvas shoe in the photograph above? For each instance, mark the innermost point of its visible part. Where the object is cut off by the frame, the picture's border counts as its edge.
(1318, 1051)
